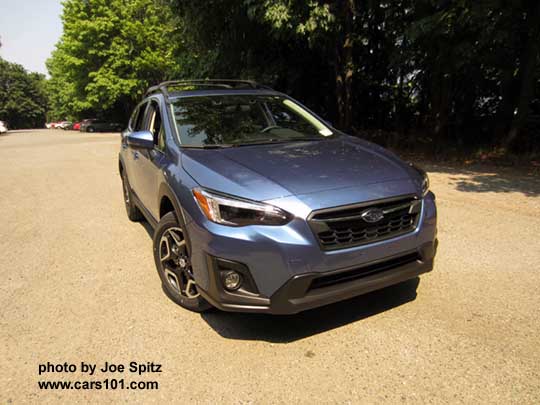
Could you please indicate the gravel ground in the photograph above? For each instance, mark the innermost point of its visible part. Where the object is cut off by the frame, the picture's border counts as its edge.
(78, 283)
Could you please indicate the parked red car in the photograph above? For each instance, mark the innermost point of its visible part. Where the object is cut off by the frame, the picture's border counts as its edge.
(76, 126)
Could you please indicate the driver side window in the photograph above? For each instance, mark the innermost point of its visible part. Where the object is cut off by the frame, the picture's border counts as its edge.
(138, 118)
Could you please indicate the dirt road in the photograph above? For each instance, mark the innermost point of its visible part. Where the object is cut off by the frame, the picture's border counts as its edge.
(78, 283)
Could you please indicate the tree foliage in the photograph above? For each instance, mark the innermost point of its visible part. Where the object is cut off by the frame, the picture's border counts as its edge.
(453, 72)
(23, 97)
(109, 53)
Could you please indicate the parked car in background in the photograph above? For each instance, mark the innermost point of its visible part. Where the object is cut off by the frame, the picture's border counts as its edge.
(64, 125)
(85, 122)
(76, 126)
(48, 125)
(3, 127)
(99, 125)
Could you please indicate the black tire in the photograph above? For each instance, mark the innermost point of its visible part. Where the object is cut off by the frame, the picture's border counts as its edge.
(175, 273)
(90, 129)
(133, 213)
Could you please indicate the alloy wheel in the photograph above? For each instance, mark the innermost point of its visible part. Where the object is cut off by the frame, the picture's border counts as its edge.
(175, 263)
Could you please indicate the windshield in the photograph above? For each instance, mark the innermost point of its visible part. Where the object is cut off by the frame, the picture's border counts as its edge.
(244, 119)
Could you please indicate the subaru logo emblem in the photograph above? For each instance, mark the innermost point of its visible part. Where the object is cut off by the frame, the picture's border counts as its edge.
(372, 215)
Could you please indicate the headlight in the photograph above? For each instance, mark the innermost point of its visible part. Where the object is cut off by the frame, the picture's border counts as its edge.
(227, 210)
(425, 178)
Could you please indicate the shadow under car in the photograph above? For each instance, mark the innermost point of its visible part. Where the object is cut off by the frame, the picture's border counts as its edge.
(288, 328)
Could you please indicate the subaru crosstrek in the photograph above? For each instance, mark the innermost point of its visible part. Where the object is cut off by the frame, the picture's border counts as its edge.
(259, 205)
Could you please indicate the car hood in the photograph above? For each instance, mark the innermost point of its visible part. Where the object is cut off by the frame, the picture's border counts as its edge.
(265, 172)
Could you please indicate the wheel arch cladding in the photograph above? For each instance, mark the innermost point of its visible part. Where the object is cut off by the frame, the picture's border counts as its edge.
(166, 193)
(166, 206)
(168, 202)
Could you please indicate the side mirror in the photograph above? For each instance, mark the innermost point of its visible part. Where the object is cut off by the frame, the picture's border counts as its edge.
(141, 139)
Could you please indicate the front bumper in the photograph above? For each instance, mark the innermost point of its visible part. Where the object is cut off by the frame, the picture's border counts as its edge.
(285, 265)
(305, 291)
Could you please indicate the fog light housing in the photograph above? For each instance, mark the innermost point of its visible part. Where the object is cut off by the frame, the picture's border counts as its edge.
(231, 280)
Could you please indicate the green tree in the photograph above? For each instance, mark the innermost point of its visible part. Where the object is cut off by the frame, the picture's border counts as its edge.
(235, 39)
(23, 98)
(477, 63)
(326, 25)
(527, 70)
(109, 53)
(451, 72)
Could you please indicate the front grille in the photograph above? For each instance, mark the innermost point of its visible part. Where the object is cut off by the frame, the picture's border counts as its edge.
(355, 274)
(343, 227)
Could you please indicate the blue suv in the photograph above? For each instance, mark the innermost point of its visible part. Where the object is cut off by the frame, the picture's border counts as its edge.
(259, 205)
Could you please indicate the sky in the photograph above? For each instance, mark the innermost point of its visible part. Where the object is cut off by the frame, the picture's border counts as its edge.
(29, 29)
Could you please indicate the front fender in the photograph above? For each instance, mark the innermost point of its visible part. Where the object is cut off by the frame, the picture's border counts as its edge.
(166, 191)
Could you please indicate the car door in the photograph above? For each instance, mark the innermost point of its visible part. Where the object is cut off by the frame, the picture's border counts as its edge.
(100, 126)
(109, 126)
(150, 161)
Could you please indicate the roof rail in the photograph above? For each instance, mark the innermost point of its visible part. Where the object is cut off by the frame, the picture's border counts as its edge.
(209, 83)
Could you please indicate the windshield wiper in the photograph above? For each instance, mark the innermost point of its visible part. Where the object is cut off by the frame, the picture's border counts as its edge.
(210, 146)
(270, 141)
(260, 141)
(301, 139)
(270, 128)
